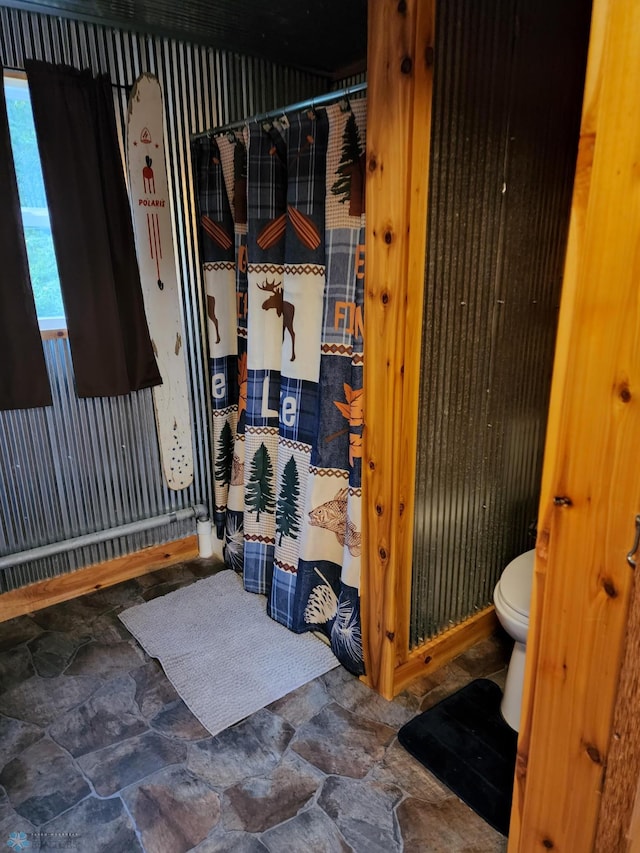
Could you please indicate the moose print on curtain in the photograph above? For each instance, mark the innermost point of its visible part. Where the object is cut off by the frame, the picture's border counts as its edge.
(287, 390)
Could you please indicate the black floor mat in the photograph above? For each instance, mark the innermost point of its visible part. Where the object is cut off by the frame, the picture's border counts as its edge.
(465, 742)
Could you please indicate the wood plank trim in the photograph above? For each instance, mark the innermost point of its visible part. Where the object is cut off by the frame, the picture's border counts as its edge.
(439, 650)
(407, 427)
(623, 763)
(42, 594)
(14, 73)
(53, 334)
(400, 66)
(590, 490)
(634, 829)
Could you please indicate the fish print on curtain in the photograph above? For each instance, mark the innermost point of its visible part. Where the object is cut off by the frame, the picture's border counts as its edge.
(327, 595)
(294, 499)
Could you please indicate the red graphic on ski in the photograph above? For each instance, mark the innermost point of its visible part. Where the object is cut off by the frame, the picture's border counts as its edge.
(153, 225)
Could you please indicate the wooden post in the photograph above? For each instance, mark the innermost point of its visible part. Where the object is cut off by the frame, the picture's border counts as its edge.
(399, 75)
(46, 593)
(617, 822)
(591, 488)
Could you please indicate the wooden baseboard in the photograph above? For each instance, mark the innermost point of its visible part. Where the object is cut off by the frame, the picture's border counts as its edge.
(441, 649)
(42, 594)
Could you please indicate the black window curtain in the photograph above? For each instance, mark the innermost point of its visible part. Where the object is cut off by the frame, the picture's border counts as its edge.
(92, 232)
(23, 375)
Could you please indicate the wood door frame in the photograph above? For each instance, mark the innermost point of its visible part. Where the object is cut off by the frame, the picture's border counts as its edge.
(590, 490)
(400, 79)
(589, 497)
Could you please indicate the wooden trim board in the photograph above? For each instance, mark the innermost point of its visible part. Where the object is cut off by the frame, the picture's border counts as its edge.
(618, 819)
(439, 650)
(53, 334)
(590, 488)
(42, 594)
(400, 65)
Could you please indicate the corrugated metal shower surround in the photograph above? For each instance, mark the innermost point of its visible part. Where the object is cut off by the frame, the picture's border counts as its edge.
(328, 37)
(85, 465)
(507, 96)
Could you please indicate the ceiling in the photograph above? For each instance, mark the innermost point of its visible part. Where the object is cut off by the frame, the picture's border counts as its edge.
(324, 36)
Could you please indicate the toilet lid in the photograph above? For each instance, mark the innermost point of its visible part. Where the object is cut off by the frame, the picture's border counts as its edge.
(516, 582)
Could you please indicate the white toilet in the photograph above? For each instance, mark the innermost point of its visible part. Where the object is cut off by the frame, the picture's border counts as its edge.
(512, 598)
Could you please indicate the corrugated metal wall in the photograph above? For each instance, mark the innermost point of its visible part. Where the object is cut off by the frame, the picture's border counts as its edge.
(507, 95)
(86, 465)
(324, 38)
(346, 82)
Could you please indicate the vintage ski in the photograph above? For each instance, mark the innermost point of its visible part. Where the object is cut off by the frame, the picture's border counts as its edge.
(157, 262)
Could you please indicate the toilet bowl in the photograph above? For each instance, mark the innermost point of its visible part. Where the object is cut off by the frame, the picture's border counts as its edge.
(512, 599)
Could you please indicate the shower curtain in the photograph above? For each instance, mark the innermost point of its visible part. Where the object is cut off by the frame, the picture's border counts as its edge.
(281, 209)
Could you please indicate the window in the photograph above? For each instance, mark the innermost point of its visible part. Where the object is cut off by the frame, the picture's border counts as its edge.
(33, 202)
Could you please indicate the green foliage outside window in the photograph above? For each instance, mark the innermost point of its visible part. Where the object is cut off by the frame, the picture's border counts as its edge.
(33, 200)
(25, 152)
(44, 273)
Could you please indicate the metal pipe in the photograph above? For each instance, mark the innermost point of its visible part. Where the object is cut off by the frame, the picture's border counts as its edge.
(199, 512)
(318, 101)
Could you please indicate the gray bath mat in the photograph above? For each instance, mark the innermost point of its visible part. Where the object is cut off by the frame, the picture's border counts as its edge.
(220, 650)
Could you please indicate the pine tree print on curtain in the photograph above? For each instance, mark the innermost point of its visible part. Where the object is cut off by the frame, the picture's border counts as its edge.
(288, 510)
(303, 290)
(268, 311)
(328, 577)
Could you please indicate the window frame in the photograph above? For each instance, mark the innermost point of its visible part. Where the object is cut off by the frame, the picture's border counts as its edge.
(50, 327)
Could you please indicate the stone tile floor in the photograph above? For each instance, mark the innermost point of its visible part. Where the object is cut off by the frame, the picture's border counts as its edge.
(99, 754)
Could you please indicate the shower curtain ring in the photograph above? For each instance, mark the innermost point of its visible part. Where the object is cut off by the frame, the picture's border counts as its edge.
(345, 104)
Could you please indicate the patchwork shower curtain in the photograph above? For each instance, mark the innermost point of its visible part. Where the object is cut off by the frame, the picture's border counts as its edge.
(282, 241)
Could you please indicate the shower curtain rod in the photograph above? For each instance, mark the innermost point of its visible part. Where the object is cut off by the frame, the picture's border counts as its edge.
(318, 101)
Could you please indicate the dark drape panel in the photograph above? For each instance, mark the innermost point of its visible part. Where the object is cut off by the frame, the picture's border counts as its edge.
(92, 231)
(23, 375)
